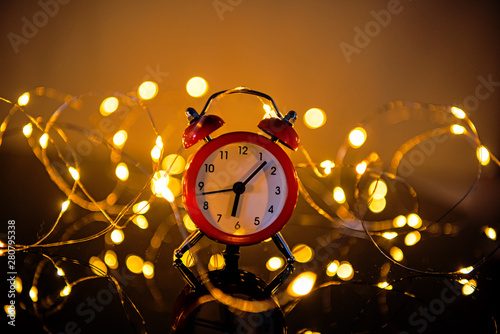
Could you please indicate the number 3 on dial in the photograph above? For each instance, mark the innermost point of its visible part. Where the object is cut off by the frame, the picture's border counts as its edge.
(240, 188)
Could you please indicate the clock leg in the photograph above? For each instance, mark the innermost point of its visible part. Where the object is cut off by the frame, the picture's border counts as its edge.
(188, 276)
(283, 247)
(283, 275)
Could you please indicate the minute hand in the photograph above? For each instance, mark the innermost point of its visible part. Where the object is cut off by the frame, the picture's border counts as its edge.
(255, 172)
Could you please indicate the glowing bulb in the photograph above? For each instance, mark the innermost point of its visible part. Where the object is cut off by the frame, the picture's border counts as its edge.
(274, 263)
(314, 118)
(459, 113)
(377, 189)
(377, 205)
(156, 153)
(302, 284)
(327, 165)
(111, 259)
(65, 205)
(491, 233)
(483, 155)
(414, 220)
(108, 106)
(18, 284)
(412, 238)
(345, 271)
(302, 253)
(117, 236)
(97, 266)
(338, 195)
(396, 253)
(27, 130)
(23, 99)
(466, 270)
(399, 221)
(469, 287)
(159, 142)
(159, 183)
(34, 294)
(147, 90)
(361, 168)
(389, 235)
(332, 268)
(196, 86)
(60, 272)
(134, 263)
(120, 138)
(44, 139)
(357, 137)
(74, 173)
(216, 262)
(141, 207)
(173, 163)
(121, 171)
(457, 129)
(64, 292)
(148, 270)
(189, 224)
(384, 285)
(141, 221)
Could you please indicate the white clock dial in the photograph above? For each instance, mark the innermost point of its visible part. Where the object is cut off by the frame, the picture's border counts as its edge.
(241, 188)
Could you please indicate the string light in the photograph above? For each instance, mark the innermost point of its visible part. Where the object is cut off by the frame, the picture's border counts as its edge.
(327, 165)
(314, 118)
(338, 195)
(396, 253)
(361, 168)
(28, 130)
(120, 138)
(108, 106)
(65, 205)
(412, 238)
(148, 270)
(74, 173)
(134, 263)
(483, 155)
(389, 235)
(122, 171)
(302, 253)
(414, 220)
(23, 99)
(117, 236)
(44, 139)
(458, 113)
(196, 87)
(111, 259)
(147, 90)
(302, 284)
(274, 263)
(345, 271)
(141, 207)
(399, 221)
(490, 233)
(357, 137)
(457, 129)
(97, 266)
(332, 268)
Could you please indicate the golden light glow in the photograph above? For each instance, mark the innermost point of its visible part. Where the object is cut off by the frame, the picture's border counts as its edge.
(110, 259)
(483, 155)
(156, 153)
(159, 183)
(66, 291)
(120, 138)
(414, 220)
(173, 163)
(27, 130)
(302, 253)
(159, 142)
(147, 90)
(134, 263)
(384, 285)
(457, 129)
(65, 205)
(396, 253)
(302, 284)
(361, 168)
(389, 235)
(117, 236)
(457, 112)
(412, 238)
(469, 287)
(23, 99)
(189, 224)
(141, 207)
(338, 195)
(18, 284)
(377, 189)
(44, 140)
(274, 263)
(357, 137)
(466, 270)
(377, 205)
(60, 272)
(148, 270)
(332, 268)
(10, 310)
(399, 221)
(327, 165)
(97, 266)
(314, 118)
(490, 233)
(196, 86)
(345, 271)
(216, 262)
(141, 221)
(122, 172)
(74, 173)
(34, 294)
(108, 106)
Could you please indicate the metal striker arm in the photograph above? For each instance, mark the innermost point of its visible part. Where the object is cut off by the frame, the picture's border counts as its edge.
(179, 252)
(283, 275)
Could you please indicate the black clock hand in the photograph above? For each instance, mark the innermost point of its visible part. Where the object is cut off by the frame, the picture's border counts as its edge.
(239, 188)
(255, 172)
(235, 204)
(217, 191)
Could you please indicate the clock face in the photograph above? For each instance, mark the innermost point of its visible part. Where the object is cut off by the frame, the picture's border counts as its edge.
(240, 188)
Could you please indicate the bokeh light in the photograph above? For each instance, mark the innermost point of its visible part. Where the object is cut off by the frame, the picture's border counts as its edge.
(134, 263)
(108, 106)
(483, 155)
(24, 99)
(345, 271)
(314, 118)
(357, 137)
(302, 284)
(274, 263)
(117, 236)
(302, 253)
(196, 87)
(147, 90)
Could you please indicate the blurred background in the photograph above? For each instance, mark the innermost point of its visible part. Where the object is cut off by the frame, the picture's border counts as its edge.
(350, 60)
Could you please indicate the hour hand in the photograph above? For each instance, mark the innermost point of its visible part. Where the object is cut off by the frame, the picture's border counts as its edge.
(217, 191)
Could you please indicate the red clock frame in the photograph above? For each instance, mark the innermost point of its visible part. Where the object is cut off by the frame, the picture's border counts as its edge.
(189, 189)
